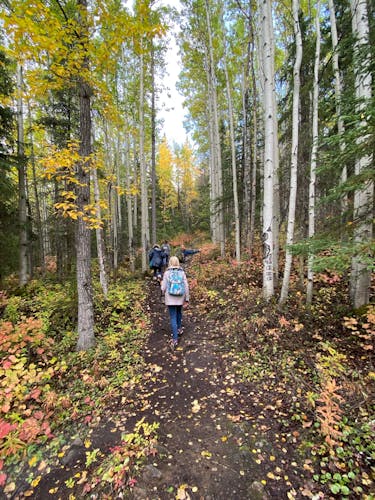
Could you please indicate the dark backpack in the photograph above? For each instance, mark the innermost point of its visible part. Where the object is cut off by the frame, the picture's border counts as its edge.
(176, 285)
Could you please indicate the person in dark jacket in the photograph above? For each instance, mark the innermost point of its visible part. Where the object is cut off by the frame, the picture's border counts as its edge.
(166, 249)
(184, 252)
(156, 258)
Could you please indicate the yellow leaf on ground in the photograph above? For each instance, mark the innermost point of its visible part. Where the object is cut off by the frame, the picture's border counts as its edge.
(196, 406)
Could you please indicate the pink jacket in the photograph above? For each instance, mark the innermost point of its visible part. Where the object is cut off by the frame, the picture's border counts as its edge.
(172, 300)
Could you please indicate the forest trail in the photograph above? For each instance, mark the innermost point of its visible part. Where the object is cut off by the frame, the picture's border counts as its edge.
(218, 436)
(202, 451)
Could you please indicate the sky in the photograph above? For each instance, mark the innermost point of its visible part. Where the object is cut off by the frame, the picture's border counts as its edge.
(170, 108)
(170, 101)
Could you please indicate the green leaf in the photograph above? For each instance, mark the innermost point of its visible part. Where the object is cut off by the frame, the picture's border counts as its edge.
(335, 488)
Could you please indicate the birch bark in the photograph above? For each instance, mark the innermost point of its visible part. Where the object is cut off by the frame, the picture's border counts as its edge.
(363, 196)
(100, 236)
(153, 147)
(145, 230)
(22, 205)
(233, 153)
(294, 154)
(314, 154)
(269, 130)
(338, 93)
(217, 166)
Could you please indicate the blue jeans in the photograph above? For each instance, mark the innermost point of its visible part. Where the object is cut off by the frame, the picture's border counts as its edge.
(175, 316)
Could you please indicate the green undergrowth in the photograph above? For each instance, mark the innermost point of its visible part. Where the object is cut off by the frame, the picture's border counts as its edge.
(50, 392)
(310, 371)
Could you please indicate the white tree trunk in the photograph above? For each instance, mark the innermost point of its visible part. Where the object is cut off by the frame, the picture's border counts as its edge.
(265, 9)
(276, 162)
(38, 216)
(338, 93)
(99, 236)
(314, 153)
(364, 196)
(233, 154)
(129, 205)
(145, 231)
(217, 167)
(22, 205)
(294, 154)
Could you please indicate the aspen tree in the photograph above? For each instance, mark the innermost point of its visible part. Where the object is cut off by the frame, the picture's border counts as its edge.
(338, 94)
(364, 195)
(294, 154)
(233, 150)
(100, 235)
(216, 148)
(22, 195)
(265, 11)
(314, 153)
(145, 230)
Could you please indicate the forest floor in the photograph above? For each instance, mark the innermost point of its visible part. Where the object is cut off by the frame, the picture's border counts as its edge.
(234, 407)
(217, 437)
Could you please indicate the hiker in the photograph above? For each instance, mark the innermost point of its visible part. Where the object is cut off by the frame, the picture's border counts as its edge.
(184, 252)
(155, 259)
(176, 289)
(166, 249)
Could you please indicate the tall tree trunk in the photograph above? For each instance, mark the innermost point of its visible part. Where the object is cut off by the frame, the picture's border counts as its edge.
(246, 156)
(129, 207)
(217, 166)
(269, 157)
(145, 231)
(118, 196)
(211, 172)
(338, 93)
(38, 217)
(314, 153)
(153, 147)
(22, 204)
(363, 196)
(233, 154)
(276, 165)
(254, 149)
(86, 337)
(100, 236)
(294, 154)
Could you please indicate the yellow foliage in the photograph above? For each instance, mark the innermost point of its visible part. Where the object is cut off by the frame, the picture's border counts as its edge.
(186, 174)
(164, 170)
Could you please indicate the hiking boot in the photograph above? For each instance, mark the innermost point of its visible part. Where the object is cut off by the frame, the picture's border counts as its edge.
(174, 344)
(180, 332)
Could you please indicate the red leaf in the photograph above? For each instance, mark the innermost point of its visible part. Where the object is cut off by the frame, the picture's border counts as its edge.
(6, 428)
(3, 478)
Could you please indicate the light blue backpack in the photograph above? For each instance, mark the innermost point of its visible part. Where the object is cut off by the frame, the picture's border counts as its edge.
(176, 285)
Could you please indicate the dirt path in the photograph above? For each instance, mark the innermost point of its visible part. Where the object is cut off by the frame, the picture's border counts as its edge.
(218, 437)
(204, 443)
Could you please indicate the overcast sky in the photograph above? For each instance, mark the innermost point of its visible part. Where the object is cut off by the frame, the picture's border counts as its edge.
(172, 111)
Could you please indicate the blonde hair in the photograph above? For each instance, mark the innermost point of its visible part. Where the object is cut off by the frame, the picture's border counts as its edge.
(174, 262)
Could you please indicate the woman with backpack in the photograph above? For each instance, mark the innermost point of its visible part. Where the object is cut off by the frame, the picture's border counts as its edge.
(175, 286)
